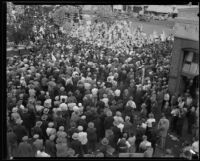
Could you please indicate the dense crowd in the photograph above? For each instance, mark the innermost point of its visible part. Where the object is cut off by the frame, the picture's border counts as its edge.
(75, 97)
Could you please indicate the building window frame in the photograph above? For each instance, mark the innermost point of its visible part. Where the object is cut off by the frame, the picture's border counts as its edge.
(189, 63)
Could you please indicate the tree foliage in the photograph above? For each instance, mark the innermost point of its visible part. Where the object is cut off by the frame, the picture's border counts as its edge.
(22, 18)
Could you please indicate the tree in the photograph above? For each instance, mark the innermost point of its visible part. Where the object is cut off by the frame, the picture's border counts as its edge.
(22, 18)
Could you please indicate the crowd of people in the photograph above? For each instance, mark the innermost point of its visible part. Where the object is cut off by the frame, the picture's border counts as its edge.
(76, 97)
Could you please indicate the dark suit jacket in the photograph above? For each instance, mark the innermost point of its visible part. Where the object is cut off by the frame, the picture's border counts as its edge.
(50, 148)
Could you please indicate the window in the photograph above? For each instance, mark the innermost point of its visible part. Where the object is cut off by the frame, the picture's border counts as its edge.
(190, 63)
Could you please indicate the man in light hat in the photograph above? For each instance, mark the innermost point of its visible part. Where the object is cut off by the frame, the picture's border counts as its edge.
(63, 105)
(82, 137)
(50, 130)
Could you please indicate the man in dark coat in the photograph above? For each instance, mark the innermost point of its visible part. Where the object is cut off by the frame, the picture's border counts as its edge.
(11, 143)
(91, 136)
(50, 146)
(44, 125)
(76, 144)
(97, 125)
(82, 122)
(72, 130)
(28, 118)
(108, 122)
(25, 149)
(37, 129)
(59, 121)
(19, 130)
(117, 134)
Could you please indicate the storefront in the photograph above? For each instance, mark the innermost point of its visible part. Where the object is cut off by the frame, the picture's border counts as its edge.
(184, 70)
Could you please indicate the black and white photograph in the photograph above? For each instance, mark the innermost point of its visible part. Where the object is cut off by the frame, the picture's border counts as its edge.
(117, 81)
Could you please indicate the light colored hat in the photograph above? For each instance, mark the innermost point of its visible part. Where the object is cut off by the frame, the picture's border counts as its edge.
(118, 113)
(50, 124)
(105, 95)
(83, 117)
(19, 121)
(57, 98)
(61, 128)
(117, 92)
(62, 88)
(75, 136)
(36, 136)
(79, 104)
(52, 137)
(80, 128)
(75, 108)
(25, 138)
(14, 109)
(148, 144)
(127, 118)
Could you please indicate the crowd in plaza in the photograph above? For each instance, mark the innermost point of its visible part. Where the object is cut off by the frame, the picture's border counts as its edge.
(100, 91)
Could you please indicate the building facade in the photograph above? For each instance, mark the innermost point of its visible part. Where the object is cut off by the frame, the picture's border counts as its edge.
(184, 70)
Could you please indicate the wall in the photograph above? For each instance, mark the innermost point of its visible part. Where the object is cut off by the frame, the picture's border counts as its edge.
(176, 83)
